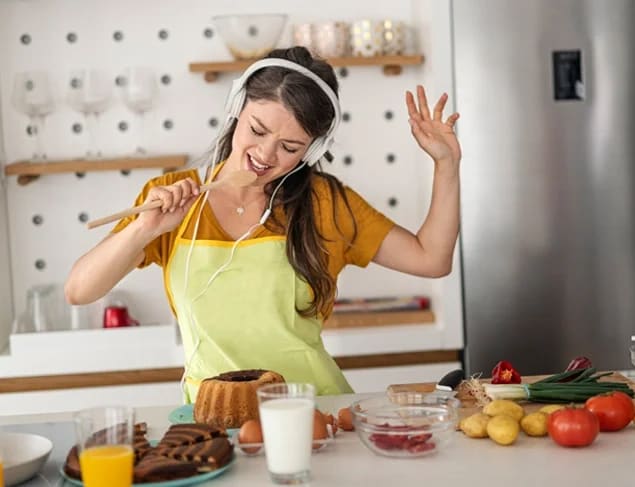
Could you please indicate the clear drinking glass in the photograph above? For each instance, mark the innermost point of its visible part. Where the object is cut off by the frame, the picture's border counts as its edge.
(139, 94)
(32, 96)
(104, 443)
(90, 93)
(286, 416)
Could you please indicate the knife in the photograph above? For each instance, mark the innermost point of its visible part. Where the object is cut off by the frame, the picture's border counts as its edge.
(450, 381)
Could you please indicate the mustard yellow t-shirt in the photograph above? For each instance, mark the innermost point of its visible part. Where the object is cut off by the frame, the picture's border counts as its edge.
(342, 243)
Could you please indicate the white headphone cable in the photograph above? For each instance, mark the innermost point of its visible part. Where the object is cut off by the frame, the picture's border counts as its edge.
(193, 323)
(186, 273)
(263, 219)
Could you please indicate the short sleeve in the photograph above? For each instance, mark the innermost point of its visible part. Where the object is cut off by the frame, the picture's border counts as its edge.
(371, 227)
(157, 251)
(352, 230)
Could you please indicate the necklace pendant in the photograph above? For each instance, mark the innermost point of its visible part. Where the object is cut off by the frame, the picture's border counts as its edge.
(240, 210)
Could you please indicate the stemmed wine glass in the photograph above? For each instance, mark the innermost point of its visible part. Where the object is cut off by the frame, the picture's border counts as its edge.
(89, 93)
(139, 94)
(33, 97)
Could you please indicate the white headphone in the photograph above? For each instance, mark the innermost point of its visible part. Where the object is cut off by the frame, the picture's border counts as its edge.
(238, 94)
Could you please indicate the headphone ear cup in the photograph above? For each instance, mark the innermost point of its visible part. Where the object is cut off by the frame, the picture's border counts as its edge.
(315, 151)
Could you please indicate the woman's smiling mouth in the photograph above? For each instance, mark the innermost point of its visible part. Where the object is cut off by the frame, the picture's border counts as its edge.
(256, 166)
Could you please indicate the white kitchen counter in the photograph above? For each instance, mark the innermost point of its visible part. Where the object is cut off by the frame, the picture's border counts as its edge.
(347, 462)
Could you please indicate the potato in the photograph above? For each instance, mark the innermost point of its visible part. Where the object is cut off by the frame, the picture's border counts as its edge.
(475, 426)
(550, 408)
(503, 429)
(535, 424)
(504, 406)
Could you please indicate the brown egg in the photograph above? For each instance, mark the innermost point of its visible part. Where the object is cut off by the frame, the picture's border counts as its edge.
(319, 428)
(250, 432)
(345, 419)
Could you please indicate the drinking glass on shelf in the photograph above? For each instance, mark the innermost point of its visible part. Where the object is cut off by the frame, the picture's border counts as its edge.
(89, 93)
(139, 94)
(105, 445)
(286, 415)
(33, 97)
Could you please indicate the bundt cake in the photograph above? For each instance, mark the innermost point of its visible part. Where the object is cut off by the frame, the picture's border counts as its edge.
(229, 399)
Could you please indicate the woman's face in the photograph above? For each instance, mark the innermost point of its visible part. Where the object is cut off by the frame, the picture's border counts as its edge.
(268, 141)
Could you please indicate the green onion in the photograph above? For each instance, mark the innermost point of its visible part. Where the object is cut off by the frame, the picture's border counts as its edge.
(584, 386)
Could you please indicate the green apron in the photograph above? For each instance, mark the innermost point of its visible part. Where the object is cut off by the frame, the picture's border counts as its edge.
(247, 318)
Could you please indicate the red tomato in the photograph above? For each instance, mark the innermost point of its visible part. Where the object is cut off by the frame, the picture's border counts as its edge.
(615, 410)
(573, 426)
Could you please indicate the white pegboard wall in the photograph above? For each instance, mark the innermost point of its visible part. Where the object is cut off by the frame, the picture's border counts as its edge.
(374, 150)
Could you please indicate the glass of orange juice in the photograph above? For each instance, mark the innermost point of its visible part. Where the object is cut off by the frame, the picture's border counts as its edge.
(104, 443)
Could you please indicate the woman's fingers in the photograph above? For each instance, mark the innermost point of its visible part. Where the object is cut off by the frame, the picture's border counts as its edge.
(410, 104)
(452, 119)
(438, 108)
(423, 103)
(166, 196)
(189, 189)
(176, 195)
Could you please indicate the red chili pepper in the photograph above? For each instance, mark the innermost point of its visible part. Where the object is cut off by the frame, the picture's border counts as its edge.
(505, 373)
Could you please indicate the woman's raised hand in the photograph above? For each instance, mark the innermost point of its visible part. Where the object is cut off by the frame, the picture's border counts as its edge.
(432, 133)
(176, 200)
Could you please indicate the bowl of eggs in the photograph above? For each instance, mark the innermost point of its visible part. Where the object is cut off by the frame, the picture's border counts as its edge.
(250, 36)
(249, 440)
(405, 425)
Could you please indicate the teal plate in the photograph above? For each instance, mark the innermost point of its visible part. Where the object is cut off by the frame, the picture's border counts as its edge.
(182, 415)
(195, 479)
(185, 415)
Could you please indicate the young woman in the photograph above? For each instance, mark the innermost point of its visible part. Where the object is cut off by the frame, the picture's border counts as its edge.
(251, 272)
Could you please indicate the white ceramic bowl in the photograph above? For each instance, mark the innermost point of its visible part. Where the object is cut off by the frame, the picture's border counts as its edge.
(250, 36)
(23, 455)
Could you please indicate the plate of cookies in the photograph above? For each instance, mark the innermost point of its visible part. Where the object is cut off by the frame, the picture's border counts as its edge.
(187, 454)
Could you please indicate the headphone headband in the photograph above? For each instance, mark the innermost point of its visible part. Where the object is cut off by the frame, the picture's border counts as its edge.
(238, 94)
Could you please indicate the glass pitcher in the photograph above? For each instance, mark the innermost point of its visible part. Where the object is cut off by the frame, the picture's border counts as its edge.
(45, 310)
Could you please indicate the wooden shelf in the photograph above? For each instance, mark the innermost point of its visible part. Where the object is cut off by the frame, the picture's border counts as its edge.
(382, 318)
(391, 65)
(27, 171)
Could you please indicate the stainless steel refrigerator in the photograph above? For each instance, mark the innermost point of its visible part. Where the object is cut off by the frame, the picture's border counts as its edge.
(546, 92)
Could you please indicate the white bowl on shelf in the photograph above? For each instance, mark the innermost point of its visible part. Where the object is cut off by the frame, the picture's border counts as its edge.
(23, 455)
(250, 36)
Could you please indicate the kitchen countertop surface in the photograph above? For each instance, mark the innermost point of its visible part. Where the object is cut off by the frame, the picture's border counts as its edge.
(347, 462)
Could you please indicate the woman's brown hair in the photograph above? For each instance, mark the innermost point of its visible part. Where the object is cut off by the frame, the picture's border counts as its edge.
(314, 112)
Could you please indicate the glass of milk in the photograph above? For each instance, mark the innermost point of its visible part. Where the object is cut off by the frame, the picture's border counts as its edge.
(286, 416)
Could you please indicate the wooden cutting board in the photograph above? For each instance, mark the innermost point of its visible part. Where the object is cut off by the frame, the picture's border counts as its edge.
(468, 406)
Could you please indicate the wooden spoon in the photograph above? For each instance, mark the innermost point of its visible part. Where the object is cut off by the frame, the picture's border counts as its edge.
(237, 179)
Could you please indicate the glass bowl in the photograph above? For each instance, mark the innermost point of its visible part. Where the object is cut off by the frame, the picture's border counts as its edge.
(406, 424)
(250, 36)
